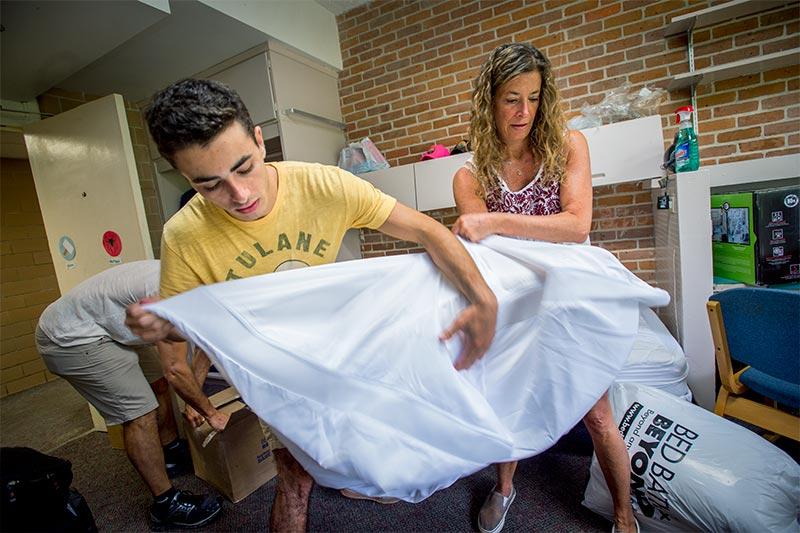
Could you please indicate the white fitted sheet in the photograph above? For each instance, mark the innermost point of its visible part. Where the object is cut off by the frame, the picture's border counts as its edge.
(343, 361)
(656, 359)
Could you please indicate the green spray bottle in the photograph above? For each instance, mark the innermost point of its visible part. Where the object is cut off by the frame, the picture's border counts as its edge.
(687, 153)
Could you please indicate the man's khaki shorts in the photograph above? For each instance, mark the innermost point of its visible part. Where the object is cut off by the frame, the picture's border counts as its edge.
(114, 378)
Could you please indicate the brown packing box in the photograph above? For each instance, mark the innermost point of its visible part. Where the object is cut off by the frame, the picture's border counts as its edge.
(236, 461)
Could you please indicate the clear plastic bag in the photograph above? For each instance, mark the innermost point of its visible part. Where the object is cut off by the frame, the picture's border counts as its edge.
(647, 100)
(362, 157)
(618, 105)
(584, 121)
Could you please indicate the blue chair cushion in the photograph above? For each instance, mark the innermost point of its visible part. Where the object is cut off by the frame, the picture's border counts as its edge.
(762, 330)
(780, 390)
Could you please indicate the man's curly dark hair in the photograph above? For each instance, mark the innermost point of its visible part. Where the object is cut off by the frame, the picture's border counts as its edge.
(191, 112)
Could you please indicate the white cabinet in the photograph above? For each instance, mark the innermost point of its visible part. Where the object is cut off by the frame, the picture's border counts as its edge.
(250, 78)
(434, 181)
(626, 151)
(683, 269)
(309, 116)
(397, 182)
(424, 186)
(291, 96)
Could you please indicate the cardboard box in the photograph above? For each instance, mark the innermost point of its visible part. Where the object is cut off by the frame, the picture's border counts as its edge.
(756, 235)
(778, 234)
(236, 461)
(733, 240)
(115, 435)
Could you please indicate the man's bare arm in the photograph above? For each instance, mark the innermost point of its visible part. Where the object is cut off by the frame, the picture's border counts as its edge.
(182, 379)
(478, 320)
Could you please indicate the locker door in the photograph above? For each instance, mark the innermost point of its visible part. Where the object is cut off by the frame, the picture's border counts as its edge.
(86, 181)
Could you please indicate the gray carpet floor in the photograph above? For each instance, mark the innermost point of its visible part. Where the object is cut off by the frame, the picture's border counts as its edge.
(550, 488)
(44, 417)
(53, 418)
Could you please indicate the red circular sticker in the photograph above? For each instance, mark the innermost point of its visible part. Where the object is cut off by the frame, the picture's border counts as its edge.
(112, 243)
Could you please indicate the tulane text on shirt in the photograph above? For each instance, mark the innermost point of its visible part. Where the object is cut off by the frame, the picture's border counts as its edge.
(304, 242)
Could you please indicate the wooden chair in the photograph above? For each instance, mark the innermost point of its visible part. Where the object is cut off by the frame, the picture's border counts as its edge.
(759, 328)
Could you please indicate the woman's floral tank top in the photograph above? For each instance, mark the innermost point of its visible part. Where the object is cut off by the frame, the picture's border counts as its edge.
(536, 198)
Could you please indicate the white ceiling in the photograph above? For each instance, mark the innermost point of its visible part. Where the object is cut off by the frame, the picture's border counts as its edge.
(43, 42)
(339, 7)
(178, 46)
(123, 46)
(132, 47)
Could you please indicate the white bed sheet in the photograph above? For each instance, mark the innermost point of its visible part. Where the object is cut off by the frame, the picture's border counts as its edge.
(656, 359)
(344, 361)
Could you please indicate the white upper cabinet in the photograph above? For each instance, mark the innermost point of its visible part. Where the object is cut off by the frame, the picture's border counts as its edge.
(397, 182)
(434, 181)
(626, 151)
(291, 96)
(250, 78)
(309, 116)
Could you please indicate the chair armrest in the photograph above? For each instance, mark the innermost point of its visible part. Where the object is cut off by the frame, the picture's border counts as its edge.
(737, 386)
(721, 352)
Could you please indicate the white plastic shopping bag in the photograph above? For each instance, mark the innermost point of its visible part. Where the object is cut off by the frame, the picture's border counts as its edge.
(692, 470)
(362, 157)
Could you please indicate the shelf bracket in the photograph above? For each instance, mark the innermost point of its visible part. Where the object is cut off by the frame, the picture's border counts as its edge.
(690, 46)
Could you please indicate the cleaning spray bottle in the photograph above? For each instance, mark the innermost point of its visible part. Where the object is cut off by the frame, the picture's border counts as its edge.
(687, 153)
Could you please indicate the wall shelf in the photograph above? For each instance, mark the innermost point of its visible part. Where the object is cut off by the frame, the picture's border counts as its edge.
(744, 67)
(715, 14)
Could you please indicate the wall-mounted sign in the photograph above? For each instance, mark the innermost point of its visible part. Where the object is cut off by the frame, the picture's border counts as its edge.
(112, 243)
(66, 247)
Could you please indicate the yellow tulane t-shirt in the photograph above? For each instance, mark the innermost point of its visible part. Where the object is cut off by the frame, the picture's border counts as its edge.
(315, 206)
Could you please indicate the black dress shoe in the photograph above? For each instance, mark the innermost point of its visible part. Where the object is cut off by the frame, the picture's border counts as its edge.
(177, 459)
(187, 510)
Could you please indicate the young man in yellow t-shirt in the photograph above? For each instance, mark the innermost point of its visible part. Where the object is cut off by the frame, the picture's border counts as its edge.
(253, 218)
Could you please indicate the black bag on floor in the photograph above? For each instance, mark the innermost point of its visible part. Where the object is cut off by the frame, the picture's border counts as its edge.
(36, 494)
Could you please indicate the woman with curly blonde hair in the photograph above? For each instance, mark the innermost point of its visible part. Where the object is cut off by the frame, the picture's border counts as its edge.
(530, 177)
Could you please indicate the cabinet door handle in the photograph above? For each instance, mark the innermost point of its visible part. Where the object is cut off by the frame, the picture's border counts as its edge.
(598, 175)
(312, 116)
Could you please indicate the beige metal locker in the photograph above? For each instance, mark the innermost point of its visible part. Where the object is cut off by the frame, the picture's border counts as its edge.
(88, 189)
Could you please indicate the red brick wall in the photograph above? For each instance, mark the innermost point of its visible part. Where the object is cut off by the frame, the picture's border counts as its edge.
(409, 66)
(623, 225)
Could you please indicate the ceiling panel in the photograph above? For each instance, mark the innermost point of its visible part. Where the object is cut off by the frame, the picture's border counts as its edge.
(42, 42)
(193, 38)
